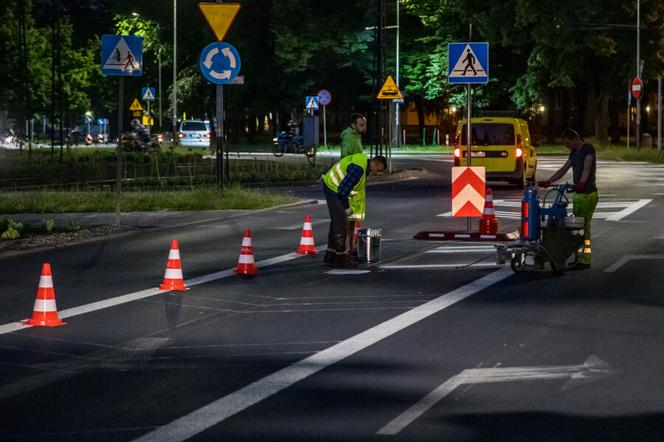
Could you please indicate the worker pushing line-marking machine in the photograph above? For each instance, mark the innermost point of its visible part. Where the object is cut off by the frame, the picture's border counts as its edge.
(548, 234)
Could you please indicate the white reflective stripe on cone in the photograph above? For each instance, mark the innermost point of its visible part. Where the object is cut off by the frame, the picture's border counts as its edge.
(246, 242)
(174, 254)
(45, 305)
(307, 226)
(46, 282)
(246, 259)
(307, 241)
(173, 274)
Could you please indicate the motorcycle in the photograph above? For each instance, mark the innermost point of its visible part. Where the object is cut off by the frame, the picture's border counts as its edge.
(140, 141)
(289, 142)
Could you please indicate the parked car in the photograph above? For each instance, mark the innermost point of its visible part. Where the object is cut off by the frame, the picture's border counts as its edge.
(502, 145)
(194, 133)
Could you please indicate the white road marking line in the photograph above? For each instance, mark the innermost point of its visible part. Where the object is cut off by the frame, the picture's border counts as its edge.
(123, 299)
(629, 210)
(378, 183)
(625, 259)
(299, 226)
(592, 369)
(451, 250)
(344, 272)
(437, 266)
(227, 406)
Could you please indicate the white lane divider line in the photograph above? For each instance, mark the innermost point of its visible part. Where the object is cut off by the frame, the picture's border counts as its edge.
(215, 412)
(629, 210)
(123, 299)
(438, 266)
(348, 272)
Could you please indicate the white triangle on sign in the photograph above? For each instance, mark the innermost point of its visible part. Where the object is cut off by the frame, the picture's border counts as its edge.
(148, 95)
(468, 65)
(121, 58)
(312, 104)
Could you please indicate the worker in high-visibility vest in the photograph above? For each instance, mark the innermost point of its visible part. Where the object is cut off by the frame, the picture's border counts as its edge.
(584, 167)
(344, 187)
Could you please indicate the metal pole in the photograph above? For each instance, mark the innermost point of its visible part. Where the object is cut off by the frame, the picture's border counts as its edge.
(175, 84)
(324, 127)
(638, 72)
(159, 59)
(220, 133)
(659, 114)
(469, 139)
(396, 105)
(629, 116)
(118, 169)
(148, 120)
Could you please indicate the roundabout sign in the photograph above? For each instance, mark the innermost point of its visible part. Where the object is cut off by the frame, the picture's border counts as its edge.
(219, 63)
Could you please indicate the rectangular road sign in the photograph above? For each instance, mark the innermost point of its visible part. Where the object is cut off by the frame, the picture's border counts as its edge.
(468, 63)
(121, 55)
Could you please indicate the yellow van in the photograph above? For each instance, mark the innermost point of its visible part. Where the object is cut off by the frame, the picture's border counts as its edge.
(502, 145)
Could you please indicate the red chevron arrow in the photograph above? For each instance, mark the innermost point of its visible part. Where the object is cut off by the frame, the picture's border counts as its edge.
(468, 191)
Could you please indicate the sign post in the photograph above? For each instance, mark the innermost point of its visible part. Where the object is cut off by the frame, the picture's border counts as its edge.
(468, 64)
(219, 63)
(121, 56)
(324, 98)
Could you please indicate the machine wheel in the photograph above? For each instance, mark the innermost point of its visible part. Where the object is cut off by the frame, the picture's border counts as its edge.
(518, 263)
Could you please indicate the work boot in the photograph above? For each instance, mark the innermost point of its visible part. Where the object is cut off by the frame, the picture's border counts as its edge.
(330, 258)
(345, 262)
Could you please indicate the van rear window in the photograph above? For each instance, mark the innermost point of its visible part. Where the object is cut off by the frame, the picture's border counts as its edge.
(489, 134)
(194, 126)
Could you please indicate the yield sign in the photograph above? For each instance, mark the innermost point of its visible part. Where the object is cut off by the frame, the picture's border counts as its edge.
(219, 16)
(468, 191)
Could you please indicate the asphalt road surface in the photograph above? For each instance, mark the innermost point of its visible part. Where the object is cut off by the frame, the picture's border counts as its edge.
(434, 343)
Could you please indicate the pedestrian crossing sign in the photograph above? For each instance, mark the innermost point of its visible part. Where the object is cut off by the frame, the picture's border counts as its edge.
(135, 105)
(121, 55)
(311, 103)
(468, 63)
(389, 90)
(147, 94)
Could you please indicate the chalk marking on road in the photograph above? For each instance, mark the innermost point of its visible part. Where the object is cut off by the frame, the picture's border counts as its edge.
(349, 272)
(229, 405)
(378, 183)
(627, 258)
(591, 370)
(438, 266)
(629, 210)
(123, 299)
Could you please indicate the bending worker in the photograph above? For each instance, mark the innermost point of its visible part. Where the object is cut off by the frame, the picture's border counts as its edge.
(351, 137)
(583, 163)
(344, 187)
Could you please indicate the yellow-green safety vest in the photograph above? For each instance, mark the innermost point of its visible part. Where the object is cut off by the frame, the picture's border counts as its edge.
(337, 173)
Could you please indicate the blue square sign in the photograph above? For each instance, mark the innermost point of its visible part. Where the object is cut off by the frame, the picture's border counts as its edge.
(468, 63)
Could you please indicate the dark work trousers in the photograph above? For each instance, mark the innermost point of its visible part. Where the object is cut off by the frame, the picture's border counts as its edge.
(336, 238)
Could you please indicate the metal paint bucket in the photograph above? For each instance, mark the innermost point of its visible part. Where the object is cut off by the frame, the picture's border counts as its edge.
(369, 245)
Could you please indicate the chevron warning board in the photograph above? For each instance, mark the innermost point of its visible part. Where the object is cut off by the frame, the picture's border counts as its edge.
(468, 191)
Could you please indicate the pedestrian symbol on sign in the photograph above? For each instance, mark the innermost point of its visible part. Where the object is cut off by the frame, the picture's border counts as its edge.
(468, 61)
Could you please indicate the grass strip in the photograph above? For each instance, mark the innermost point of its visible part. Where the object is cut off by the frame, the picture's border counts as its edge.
(207, 198)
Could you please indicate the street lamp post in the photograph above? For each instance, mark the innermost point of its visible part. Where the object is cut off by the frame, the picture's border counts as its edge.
(175, 84)
(638, 72)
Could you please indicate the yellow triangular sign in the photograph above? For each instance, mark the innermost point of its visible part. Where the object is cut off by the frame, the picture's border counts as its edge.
(390, 90)
(135, 106)
(219, 16)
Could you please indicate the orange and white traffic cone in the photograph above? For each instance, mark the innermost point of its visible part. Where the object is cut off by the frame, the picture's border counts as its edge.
(488, 222)
(245, 263)
(307, 245)
(45, 312)
(173, 279)
(356, 237)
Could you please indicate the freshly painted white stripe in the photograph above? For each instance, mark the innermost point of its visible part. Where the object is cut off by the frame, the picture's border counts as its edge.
(46, 282)
(462, 235)
(593, 368)
(379, 183)
(119, 300)
(629, 210)
(438, 266)
(227, 406)
(173, 274)
(299, 226)
(45, 305)
(451, 250)
(438, 235)
(627, 258)
(344, 272)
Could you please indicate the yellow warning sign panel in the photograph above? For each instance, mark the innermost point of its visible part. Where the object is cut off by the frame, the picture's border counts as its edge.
(219, 16)
(135, 106)
(148, 121)
(390, 90)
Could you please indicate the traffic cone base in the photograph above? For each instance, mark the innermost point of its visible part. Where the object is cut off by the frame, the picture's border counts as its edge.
(488, 222)
(173, 279)
(245, 263)
(45, 311)
(307, 245)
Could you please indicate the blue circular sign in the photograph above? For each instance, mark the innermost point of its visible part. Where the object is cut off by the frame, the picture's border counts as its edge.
(324, 97)
(219, 63)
